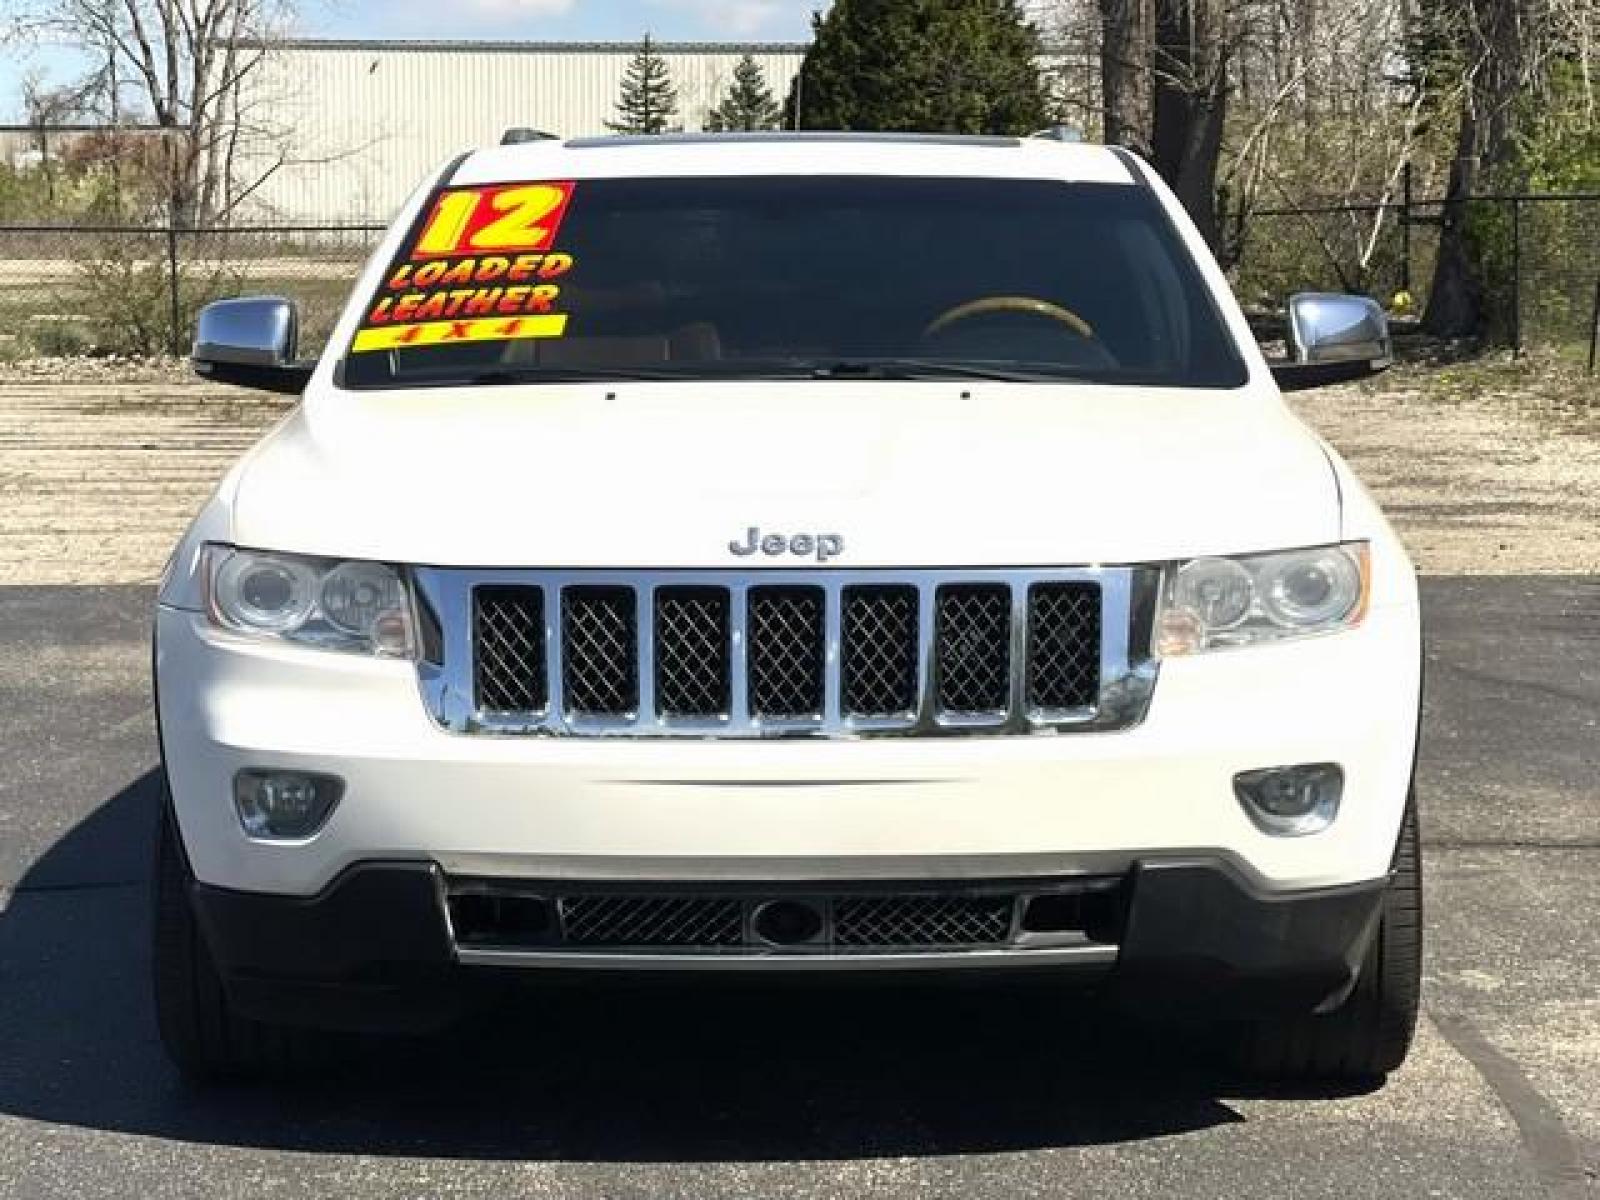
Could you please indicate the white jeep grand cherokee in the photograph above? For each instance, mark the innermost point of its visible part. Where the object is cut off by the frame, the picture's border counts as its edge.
(784, 554)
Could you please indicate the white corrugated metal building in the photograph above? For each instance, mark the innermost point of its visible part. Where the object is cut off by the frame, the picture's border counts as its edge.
(366, 120)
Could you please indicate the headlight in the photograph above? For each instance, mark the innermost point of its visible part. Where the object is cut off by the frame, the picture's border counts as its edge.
(359, 607)
(1210, 603)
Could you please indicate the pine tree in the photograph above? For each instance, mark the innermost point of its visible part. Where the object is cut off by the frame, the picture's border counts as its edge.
(948, 66)
(748, 103)
(649, 101)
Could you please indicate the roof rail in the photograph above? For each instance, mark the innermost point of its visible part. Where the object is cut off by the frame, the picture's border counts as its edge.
(519, 134)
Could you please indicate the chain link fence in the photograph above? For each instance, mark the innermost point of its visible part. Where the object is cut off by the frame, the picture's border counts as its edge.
(1558, 290)
(1540, 256)
(85, 289)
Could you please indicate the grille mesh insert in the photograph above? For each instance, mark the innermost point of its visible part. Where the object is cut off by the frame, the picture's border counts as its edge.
(509, 667)
(922, 920)
(691, 648)
(652, 920)
(599, 650)
(879, 651)
(1063, 645)
(787, 649)
(974, 648)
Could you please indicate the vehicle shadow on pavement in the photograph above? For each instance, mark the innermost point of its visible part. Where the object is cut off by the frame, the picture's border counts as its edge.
(691, 1072)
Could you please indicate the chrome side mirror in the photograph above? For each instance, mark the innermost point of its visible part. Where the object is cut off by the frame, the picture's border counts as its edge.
(250, 342)
(1333, 338)
(1328, 327)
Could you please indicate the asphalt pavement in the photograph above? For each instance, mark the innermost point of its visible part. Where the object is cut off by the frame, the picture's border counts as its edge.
(715, 1091)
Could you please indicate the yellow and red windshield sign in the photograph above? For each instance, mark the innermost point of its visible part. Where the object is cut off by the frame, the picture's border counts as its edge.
(480, 268)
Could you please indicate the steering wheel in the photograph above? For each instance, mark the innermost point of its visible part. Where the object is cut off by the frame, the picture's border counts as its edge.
(1027, 305)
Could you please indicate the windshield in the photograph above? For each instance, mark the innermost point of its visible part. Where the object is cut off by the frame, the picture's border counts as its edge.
(783, 276)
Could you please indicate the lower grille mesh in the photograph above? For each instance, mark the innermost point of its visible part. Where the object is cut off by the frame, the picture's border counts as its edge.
(758, 920)
(922, 920)
(652, 920)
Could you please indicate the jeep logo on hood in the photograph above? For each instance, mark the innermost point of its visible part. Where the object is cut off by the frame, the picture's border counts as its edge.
(822, 546)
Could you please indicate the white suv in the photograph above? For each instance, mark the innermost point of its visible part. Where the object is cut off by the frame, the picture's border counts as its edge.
(786, 554)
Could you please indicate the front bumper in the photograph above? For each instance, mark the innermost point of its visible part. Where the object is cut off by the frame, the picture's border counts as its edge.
(376, 950)
(962, 807)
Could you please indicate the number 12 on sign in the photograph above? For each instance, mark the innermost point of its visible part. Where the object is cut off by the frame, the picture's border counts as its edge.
(507, 219)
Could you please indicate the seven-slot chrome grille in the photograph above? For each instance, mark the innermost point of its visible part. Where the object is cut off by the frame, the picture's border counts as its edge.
(831, 652)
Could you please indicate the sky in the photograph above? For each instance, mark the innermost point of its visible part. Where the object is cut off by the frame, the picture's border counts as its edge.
(498, 20)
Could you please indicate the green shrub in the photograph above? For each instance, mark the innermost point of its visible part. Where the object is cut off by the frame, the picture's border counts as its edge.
(59, 338)
(124, 293)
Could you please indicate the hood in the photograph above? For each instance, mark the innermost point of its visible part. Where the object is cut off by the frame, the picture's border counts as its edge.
(668, 475)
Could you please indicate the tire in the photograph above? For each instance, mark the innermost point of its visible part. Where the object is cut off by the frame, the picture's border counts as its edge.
(205, 1039)
(1370, 1034)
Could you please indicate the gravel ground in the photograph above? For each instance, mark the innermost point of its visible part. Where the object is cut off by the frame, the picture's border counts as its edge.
(99, 476)
(1485, 470)
(1489, 469)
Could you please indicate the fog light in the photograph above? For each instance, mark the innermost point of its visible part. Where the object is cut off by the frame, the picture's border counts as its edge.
(284, 805)
(1291, 801)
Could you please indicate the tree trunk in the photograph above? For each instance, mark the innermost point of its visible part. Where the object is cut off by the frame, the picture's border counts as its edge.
(1305, 31)
(1191, 104)
(1455, 301)
(48, 167)
(183, 188)
(1127, 71)
(1498, 62)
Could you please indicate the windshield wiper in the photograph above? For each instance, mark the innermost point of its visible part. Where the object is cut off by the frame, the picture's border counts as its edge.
(891, 368)
(501, 375)
(941, 368)
(760, 368)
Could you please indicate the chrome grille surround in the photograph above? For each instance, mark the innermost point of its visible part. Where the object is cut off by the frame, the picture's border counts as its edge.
(1123, 667)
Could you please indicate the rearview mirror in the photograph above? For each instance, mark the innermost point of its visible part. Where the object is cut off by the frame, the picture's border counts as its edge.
(1333, 338)
(251, 342)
